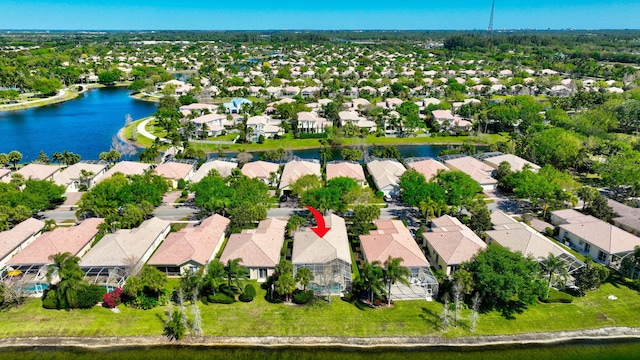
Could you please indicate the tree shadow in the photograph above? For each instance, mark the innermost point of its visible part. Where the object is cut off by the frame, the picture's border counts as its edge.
(511, 308)
(430, 316)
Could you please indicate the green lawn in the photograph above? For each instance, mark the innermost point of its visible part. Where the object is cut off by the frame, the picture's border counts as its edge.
(260, 318)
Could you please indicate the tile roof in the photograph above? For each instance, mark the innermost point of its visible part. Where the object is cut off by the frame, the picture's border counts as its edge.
(259, 169)
(73, 172)
(191, 243)
(223, 167)
(346, 169)
(296, 169)
(174, 170)
(525, 240)
(38, 171)
(11, 239)
(429, 167)
(478, 170)
(309, 248)
(60, 240)
(125, 246)
(517, 163)
(455, 243)
(127, 168)
(393, 239)
(604, 235)
(385, 172)
(257, 247)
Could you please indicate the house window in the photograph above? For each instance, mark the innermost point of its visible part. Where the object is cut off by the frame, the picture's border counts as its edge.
(587, 247)
(262, 273)
(602, 256)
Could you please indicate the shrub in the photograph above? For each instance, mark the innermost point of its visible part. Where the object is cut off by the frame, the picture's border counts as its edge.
(182, 184)
(185, 193)
(303, 297)
(112, 299)
(88, 296)
(245, 298)
(145, 302)
(220, 298)
(379, 193)
(250, 291)
(48, 303)
(313, 136)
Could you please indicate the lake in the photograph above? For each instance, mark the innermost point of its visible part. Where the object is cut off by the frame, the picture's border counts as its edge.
(577, 349)
(83, 126)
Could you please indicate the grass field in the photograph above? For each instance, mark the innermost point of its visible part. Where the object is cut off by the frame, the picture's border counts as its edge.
(339, 318)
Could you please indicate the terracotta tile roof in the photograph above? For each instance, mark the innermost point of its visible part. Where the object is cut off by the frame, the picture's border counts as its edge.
(454, 242)
(429, 167)
(346, 169)
(478, 170)
(174, 170)
(60, 240)
(257, 247)
(393, 239)
(309, 248)
(11, 239)
(259, 169)
(191, 243)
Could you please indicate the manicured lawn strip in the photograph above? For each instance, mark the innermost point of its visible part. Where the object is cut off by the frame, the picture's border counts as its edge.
(68, 95)
(260, 318)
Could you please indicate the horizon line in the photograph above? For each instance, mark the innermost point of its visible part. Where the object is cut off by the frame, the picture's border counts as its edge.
(315, 30)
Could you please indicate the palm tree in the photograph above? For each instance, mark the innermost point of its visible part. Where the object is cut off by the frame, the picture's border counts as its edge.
(235, 271)
(371, 277)
(304, 276)
(70, 277)
(556, 268)
(215, 273)
(393, 272)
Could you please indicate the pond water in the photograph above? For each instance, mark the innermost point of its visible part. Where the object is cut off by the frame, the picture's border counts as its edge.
(83, 126)
(579, 349)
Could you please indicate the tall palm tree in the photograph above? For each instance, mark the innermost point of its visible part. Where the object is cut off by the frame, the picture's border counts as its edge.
(394, 272)
(215, 273)
(556, 268)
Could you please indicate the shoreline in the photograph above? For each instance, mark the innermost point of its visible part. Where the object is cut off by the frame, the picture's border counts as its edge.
(609, 333)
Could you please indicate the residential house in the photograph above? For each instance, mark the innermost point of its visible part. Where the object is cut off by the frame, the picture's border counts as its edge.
(174, 171)
(38, 171)
(224, 167)
(628, 217)
(351, 117)
(235, 105)
(127, 168)
(519, 237)
(478, 170)
(450, 243)
(392, 239)
(191, 248)
(515, 162)
(310, 122)
(211, 124)
(263, 170)
(265, 126)
(296, 169)
(20, 236)
(348, 169)
(426, 166)
(328, 257)
(75, 240)
(126, 249)
(447, 121)
(258, 248)
(386, 175)
(5, 175)
(72, 177)
(602, 241)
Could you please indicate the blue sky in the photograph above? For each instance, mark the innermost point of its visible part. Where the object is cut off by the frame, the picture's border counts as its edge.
(316, 15)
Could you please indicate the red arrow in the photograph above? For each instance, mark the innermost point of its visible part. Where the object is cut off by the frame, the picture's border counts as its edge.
(321, 230)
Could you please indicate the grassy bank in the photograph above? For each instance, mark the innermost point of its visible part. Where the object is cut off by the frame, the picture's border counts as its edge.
(260, 318)
(68, 95)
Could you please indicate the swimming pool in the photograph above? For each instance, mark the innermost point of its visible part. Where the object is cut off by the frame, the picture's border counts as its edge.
(35, 287)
